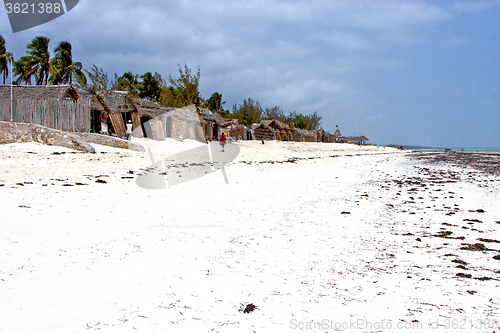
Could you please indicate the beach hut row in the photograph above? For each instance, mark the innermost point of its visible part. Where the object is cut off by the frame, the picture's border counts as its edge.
(277, 130)
(65, 108)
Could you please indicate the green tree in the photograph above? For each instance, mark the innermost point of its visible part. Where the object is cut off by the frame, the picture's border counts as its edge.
(23, 70)
(274, 113)
(215, 103)
(66, 67)
(150, 86)
(248, 112)
(310, 122)
(184, 90)
(4, 68)
(97, 77)
(39, 60)
(130, 83)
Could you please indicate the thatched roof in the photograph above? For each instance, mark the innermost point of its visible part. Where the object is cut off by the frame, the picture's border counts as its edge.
(60, 92)
(273, 123)
(115, 101)
(304, 132)
(208, 115)
(354, 138)
(149, 108)
(337, 133)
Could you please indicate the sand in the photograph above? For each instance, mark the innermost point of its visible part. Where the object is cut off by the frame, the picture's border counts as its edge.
(312, 237)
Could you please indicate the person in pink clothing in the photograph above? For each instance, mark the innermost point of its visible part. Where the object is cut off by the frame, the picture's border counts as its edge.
(222, 140)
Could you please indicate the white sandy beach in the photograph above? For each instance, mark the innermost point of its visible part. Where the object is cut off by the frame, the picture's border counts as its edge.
(339, 235)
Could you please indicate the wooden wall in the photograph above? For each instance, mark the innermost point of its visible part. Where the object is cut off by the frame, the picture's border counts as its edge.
(64, 115)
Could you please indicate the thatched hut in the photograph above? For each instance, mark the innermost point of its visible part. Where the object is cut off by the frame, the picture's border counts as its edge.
(355, 139)
(211, 123)
(240, 132)
(120, 110)
(278, 128)
(262, 132)
(59, 107)
(148, 111)
(337, 136)
(169, 122)
(302, 135)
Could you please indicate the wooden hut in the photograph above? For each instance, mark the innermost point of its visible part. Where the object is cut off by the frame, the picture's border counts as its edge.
(59, 107)
(148, 111)
(262, 132)
(240, 132)
(355, 139)
(211, 123)
(120, 110)
(302, 135)
(169, 122)
(337, 136)
(279, 129)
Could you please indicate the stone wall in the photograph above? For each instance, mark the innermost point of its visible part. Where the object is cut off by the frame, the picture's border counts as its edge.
(22, 132)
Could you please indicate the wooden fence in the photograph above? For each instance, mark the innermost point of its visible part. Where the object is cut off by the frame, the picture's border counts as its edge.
(64, 115)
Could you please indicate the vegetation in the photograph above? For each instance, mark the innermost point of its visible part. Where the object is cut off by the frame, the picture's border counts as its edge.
(98, 80)
(184, 90)
(177, 92)
(4, 69)
(65, 67)
(248, 112)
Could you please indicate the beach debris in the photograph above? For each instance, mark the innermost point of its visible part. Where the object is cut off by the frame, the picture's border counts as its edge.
(497, 257)
(250, 307)
(459, 261)
(24, 206)
(476, 211)
(472, 220)
(446, 234)
(345, 213)
(102, 181)
(475, 247)
(483, 278)
(487, 240)
(463, 275)
(472, 292)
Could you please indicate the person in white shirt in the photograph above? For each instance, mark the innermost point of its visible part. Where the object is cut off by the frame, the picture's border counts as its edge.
(129, 130)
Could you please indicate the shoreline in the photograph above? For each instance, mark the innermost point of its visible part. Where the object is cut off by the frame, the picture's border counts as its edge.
(373, 237)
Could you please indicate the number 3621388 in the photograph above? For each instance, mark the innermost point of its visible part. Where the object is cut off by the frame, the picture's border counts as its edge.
(41, 8)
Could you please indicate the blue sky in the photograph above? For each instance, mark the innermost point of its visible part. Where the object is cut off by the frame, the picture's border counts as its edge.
(405, 72)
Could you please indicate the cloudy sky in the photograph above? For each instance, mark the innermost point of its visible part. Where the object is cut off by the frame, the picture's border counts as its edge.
(406, 72)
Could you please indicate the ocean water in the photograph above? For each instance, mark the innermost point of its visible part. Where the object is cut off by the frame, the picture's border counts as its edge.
(460, 150)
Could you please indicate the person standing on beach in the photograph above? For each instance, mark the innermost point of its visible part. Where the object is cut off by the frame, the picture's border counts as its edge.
(104, 125)
(222, 140)
(129, 130)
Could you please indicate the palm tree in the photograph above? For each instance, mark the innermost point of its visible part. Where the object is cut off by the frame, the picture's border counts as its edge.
(66, 68)
(128, 82)
(23, 70)
(4, 69)
(39, 60)
(150, 86)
